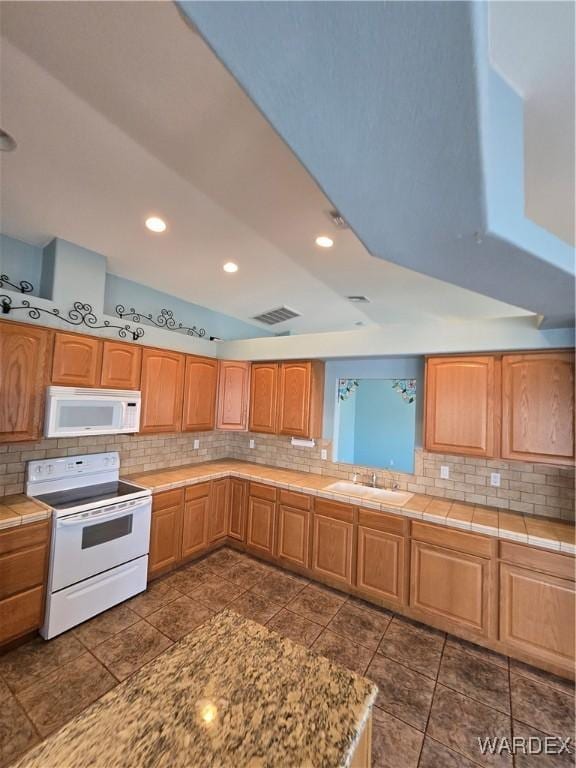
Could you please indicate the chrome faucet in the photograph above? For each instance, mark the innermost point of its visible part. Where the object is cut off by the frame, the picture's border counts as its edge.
(374, 479)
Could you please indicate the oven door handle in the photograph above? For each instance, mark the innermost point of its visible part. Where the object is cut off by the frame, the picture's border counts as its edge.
(75, 520)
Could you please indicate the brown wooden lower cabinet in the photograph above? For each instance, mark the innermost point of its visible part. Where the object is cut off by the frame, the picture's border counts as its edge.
(293, 541)
(23, 571)
(450, 587)
(238, 502)
(165, 531)
(195, 526)
(332, 549)
(219, 510)
(537, 615)
(380, 564)
(261, 525)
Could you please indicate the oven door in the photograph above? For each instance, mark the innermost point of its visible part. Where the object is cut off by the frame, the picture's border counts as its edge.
(92, 542)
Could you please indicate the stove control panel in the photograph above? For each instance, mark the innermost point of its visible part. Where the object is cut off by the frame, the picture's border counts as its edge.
(69, 467)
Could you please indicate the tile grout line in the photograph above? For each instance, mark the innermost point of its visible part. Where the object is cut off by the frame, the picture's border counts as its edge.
(431, 702)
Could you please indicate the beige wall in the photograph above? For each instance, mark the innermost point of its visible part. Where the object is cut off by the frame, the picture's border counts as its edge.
(540, 489)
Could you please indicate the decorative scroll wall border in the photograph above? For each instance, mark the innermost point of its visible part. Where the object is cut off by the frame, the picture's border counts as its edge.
(80, 314)
(164, 320)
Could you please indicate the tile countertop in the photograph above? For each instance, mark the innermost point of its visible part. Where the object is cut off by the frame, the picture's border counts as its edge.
(232, 693)
(20, 509)
(542, 532)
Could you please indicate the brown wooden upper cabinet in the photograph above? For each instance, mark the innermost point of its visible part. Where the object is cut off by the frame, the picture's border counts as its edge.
(162, 388)
(77, 360)
(263, 397)
(233, 395)
(200, 386)
(462, 397)
(287, 398)
(23, 373)
(517, 406)
(121, 364)
(301, 397)
(538, 407)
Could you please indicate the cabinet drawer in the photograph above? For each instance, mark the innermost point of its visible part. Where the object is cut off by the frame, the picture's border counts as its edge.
(167, 499)
(22, 570)
(298, 500)
(471, 543)
(380, 521)
(334, 509)
(21, 613)
(197, 491)
(539, 559)
(24, 536)
(261, 491)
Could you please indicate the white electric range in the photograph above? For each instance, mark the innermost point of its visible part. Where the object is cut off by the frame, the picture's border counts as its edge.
(100, 536)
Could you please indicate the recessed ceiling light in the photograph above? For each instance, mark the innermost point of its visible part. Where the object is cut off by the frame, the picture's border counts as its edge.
(230, 266)
(155, 224)
(324, 242)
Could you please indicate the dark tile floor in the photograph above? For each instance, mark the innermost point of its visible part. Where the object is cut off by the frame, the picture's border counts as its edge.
(437, 694)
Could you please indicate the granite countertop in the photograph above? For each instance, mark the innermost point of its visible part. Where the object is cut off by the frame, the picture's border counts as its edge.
(232, 693)
(548, 533)
(20, 509)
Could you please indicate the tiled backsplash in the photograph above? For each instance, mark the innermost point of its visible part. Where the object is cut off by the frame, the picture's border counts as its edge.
(138, 453)
(539, 489)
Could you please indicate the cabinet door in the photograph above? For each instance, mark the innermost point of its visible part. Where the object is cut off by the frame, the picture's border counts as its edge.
(200, 394)
(162, 385)
(219, 509)
(293, 536)
(233, 395)
(21, 613)
(195, 526)
(450, 587)
(380, 564)
(263, 397)
(462, 405)
(301, 394)
(537, 615)
(332, 548)
(538, 407)
(237, 516)
(261, 525)
(77, 360)
(121, 364)
(23, 375)
(165, 532)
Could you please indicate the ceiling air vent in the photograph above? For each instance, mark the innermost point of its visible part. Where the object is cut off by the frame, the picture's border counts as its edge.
(338, 220)
(275, 316)
(359, 299)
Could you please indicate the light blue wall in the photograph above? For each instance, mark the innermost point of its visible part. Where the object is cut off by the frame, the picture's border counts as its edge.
(144, 299)
(345, 430)
(384, 427)
(20, 261)
(371, 368)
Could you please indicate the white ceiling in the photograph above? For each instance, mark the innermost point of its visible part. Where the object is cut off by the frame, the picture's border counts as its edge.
(120, 110)
(532, 47)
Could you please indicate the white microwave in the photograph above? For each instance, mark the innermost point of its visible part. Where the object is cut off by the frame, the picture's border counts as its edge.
(73, 412)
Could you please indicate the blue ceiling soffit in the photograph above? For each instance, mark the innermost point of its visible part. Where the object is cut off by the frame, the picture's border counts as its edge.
(394, 110)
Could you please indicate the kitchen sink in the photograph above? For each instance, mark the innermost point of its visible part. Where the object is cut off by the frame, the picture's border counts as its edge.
(395, 498)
